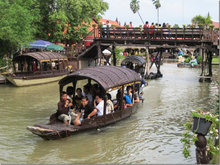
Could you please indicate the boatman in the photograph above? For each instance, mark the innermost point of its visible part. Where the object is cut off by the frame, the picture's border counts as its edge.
(64, 113)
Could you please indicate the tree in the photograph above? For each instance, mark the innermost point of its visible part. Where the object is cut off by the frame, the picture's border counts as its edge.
(157, 5)
(134, 6)
(16, 26)
(199, 20)
(68, 20)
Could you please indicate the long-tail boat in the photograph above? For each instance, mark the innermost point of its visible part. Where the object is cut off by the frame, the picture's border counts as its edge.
(110, 79)
(37, 68)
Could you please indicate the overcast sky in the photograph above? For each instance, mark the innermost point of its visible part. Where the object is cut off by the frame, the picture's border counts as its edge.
(172, 11)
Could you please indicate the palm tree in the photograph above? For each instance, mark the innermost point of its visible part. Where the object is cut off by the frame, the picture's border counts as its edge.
(134, 5)
(157, 5)
(202, 21)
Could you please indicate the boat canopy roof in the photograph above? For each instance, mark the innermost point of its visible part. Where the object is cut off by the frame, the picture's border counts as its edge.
(43, 56)
(108, 77)
(134, 59)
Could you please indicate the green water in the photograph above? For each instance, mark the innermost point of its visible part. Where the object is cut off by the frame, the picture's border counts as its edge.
(149, 136)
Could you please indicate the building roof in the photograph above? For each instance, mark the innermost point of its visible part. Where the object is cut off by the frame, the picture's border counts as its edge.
(215, 23)
(107, 76)
(43, 56)
(110, 21)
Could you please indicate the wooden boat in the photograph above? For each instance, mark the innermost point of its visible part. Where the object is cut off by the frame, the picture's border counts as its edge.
(186, 65)
(37, 68)
(136, 63)
(109, 78)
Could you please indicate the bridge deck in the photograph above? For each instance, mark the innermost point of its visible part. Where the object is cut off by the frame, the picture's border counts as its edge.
(156, 36)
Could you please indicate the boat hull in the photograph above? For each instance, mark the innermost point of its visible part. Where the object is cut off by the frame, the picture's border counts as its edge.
(56, 129)
(19, 82)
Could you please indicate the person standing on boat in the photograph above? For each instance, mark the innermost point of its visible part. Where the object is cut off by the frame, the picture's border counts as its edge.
(63, 109)
(87, 110)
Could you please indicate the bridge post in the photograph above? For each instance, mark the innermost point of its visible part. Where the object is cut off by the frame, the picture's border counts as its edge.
(99, 53)
(147, 68)
(159, 63)
(210, 63)
(114, 56)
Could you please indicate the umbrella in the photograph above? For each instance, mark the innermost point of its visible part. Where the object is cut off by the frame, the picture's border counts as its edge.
(39, 44)
(55, 47)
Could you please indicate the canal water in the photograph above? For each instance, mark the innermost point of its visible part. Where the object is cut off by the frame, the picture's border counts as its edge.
(152, 135)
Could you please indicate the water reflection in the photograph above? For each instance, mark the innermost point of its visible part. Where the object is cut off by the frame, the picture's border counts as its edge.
(149, 136)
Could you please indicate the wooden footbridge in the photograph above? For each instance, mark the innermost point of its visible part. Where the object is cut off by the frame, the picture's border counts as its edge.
(159, 38)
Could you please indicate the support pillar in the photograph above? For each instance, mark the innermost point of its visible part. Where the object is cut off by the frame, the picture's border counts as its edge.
(114, 55)
(159, 63)
(99, 54)
(147, 67)
(210, 63)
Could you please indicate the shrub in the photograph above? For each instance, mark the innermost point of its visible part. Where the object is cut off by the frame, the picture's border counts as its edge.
(199, 59)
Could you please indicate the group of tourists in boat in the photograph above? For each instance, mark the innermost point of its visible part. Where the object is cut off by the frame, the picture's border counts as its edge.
(89, 103)
(92, 98)
(35, 68)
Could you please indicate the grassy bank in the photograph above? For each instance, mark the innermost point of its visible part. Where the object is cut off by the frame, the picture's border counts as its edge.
(215, 59)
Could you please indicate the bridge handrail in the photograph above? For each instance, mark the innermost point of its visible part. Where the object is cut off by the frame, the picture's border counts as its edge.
(153, 33)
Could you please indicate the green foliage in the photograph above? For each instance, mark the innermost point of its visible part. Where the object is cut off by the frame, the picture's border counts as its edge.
(190, 138)
(176, 26)
(134, 5)
(215, 59)
(16, 24)
(187, 60)
(202, 21)
(157, 3)
(67, 21)
(199, 59)
(119, 53)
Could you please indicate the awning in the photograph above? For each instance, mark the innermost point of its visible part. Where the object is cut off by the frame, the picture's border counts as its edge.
(108, 77)
(43, 56)
(134, 59)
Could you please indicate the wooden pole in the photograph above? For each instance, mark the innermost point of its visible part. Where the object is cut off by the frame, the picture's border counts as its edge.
(147, 67)
(210, 63)
(114, 55)
(160, 56)
(99, 53)
(202, 54)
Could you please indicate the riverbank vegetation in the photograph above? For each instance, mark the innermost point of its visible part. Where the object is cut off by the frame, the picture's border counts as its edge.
(22, 21)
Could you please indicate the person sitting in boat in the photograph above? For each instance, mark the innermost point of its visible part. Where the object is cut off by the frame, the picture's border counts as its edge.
(136, 96)
(128, 101)
(109, 104)
(63, 112)
(86, 111)
(99, 104)
(86, 90)
(193, 61)
(78, 97)
(70, 91)
(117, 101)
(129, 92)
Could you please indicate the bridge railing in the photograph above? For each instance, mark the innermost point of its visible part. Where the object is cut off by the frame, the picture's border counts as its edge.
(196, 34)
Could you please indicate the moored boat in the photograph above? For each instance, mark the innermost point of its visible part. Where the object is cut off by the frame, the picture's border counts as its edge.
(110, 79)
(37, 68)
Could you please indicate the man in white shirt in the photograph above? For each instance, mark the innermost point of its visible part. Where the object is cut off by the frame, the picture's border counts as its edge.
(100, 105)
